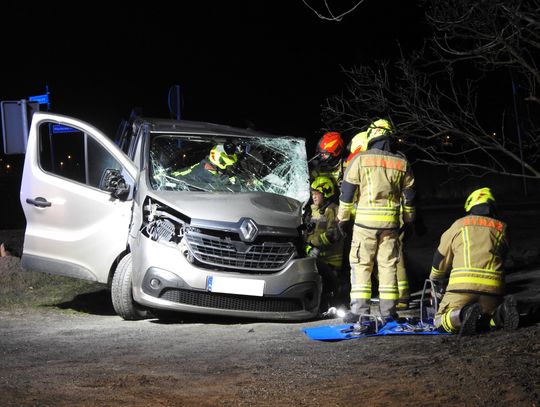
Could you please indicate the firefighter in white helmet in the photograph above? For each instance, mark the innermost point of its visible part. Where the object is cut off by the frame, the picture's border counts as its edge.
(469, 262)
(385, 186)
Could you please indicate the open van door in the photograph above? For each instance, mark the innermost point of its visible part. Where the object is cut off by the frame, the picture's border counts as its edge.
(77, 196)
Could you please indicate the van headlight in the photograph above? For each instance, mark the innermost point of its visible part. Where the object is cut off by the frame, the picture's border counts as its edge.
(162, 223)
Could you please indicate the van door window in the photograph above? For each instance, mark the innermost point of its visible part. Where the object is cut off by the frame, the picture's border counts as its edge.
(70, 153)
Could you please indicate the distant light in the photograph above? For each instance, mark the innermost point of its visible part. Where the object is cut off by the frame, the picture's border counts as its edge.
(8, 166)
(69, 157)
(61, 163)
(400, 140)
(447, 137)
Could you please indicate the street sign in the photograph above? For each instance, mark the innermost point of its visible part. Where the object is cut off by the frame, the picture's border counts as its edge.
(59, 128)
(41, 99)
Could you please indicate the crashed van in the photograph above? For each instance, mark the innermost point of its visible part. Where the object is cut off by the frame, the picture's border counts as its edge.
(133, 214)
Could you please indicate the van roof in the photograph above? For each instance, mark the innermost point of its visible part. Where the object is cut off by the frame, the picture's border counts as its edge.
(183, 126)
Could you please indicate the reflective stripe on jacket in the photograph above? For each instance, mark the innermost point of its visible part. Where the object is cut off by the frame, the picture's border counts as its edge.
(473, 251)
(385, 186)
(331, 250)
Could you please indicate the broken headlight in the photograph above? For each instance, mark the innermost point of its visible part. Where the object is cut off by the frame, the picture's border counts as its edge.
(162, 223)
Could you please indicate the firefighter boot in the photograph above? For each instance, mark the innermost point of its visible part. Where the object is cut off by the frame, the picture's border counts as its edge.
(506, 315)
(469, 318)
(351, 318)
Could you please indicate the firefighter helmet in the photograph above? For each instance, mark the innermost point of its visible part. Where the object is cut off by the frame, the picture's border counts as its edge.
(222, 157)
(331, 143)
(379, 128)
(324, 185)
(480, 196)
(357, 145)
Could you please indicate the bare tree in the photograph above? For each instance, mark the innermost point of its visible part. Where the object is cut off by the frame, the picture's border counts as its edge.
(452, 101)
(332, 11)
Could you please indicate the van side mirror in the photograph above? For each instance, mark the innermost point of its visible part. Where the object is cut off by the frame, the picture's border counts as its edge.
(112, 181)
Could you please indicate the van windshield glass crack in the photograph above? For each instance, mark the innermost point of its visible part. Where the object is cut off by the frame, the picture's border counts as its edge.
(218, 164)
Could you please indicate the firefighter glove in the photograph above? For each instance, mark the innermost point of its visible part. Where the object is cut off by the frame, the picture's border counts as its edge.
(312, 251)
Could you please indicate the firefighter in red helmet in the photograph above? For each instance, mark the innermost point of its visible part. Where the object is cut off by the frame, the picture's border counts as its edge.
(329, 159)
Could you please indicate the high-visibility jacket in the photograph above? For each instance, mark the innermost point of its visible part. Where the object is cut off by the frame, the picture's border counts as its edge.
(471, 253)
(335, 173)
(323, 235)
(385, 186)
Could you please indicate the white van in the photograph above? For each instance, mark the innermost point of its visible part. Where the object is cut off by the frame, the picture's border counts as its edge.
(134, 215)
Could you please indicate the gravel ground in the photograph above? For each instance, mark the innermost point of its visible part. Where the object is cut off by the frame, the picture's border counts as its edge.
(76, 352)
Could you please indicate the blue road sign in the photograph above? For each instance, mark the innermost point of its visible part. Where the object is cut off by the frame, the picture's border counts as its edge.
(41, 99)
(59, 128)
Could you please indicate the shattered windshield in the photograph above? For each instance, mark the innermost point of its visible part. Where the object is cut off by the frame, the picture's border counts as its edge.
(218, 164)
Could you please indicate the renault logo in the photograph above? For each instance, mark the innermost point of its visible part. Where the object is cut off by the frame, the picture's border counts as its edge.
(248, 230)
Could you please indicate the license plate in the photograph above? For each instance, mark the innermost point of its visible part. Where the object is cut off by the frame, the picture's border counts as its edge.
(231, 285)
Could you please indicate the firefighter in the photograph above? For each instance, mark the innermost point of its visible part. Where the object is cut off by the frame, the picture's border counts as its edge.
(329, 159)
(385, 186)
(324, 242)
(216, 168)
(470, 260)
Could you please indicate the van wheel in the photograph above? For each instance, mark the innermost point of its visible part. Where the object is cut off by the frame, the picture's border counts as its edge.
(121, 292)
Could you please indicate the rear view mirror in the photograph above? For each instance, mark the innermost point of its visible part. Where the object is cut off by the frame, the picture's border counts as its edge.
(112, 181)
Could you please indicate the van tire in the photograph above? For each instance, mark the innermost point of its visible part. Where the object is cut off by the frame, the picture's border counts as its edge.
(122, 294)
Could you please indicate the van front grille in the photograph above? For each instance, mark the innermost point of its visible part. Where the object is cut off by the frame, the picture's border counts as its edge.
(264, 257)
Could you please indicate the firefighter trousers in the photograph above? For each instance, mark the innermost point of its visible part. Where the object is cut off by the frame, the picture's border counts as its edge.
(448, 315)
(368, 246)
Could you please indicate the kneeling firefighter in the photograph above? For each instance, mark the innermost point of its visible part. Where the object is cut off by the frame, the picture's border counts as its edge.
(470, 259)
(324, 241)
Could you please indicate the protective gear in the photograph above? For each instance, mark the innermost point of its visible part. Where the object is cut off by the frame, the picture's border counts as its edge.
(324, 185)
(332, 144)
(386, 190)
(378, 129)
(369, 246)
(223, 156)
(469, 316)
(471, 252)
(351, 318)
(324, 235)
(506, 315)
(358, 144)
(312, 251)
(480, 196)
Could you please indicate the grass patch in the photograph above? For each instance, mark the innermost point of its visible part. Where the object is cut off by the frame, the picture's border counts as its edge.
(24, 289)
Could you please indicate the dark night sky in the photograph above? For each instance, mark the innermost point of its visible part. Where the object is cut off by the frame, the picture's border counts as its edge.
(270, 62)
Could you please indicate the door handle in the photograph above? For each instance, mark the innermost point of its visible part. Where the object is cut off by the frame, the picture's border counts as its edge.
(39, 202)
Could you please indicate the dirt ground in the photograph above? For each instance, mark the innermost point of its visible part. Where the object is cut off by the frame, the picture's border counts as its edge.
(75, 352)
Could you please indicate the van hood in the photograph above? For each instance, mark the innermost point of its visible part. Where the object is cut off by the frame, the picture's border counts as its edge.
(263, 207)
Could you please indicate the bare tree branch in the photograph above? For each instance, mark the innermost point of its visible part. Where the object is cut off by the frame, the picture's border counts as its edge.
(331, 14)
(438, 96)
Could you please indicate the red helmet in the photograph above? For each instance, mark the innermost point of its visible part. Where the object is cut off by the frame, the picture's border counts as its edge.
(331, 143)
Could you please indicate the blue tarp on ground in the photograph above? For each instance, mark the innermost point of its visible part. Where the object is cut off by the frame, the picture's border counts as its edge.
(350, 331)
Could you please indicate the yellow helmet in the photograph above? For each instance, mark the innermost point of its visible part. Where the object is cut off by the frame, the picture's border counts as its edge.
(219, 157)
(480, 196)
(359, 142)
(324, 185)
(379, 128)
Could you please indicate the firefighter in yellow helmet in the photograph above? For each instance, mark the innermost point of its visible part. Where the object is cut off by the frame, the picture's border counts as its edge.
(323, 240)
(357, 145)
(385, 186)
(216, 168)
(470, 260)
